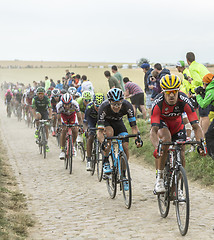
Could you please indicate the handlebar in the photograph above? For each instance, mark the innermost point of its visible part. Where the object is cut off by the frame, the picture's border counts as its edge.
(120, 137)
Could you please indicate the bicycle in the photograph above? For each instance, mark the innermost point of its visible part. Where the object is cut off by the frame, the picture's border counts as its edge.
(120, 169)
(19, 112)
(69, 147)
(80, 146)
(9, 109)
(96, 157)
(42, 141)
(176, 184)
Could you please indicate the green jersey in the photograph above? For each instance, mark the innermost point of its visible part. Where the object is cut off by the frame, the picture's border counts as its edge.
(113, 82)
(209, 96)
(120, 80)
(81, 104)
(41, 105)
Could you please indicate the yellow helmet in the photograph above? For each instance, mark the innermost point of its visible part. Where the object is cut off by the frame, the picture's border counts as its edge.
(170, 82)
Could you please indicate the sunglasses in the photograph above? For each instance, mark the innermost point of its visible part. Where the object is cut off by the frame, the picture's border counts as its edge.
(116, 104)
(87, 100)
(171, 91)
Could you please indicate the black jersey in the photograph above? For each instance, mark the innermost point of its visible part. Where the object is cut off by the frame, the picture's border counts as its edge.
(105, 113)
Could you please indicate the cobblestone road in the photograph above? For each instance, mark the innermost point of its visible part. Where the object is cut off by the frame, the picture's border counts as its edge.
(77, 206)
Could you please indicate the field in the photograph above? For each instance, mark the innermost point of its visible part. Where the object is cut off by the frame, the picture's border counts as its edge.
(95, 75)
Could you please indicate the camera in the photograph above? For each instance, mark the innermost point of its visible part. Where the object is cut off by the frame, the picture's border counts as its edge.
(200, 90)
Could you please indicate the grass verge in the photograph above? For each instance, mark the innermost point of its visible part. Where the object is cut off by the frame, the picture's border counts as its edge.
(197, 167)
(14, 220)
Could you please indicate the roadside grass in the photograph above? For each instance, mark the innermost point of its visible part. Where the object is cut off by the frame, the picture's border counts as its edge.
(197, 167)
(14, 220)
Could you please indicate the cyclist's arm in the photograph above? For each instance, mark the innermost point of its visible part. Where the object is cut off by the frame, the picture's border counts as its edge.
(79, 116)
(198, 131)
(50, 112)
(154, 136)
(34, 108)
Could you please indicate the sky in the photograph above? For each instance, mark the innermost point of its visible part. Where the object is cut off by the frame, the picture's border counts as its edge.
(106, 31)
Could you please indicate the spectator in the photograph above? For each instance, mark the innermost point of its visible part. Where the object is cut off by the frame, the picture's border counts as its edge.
(76, 82)
(47, 83)
(154, 85)
(113, 82)
(136, 95)
(52, 83)
(67, 74)
(87, 85)
(204, 101)
(118, 76)
(147, 70)
(59, 85)
(198, 71)
(35, 84)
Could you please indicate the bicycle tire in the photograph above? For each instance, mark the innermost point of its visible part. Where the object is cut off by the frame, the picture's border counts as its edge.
(127, 194)
(93, 158)
(44, 142)
(40, 141)
(70, 154)
(182, 205)
(81, 150)
(111, 179)
(99, 155)
(163, 198)
(66, 154)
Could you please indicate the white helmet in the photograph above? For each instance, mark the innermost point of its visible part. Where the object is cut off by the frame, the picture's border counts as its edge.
(66, 98)
(72, 90)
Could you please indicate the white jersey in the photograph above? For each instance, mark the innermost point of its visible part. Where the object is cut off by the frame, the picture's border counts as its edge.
(87, 86)
(74, 108)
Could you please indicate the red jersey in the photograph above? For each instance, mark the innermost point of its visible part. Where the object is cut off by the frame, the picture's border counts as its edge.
(172, 115)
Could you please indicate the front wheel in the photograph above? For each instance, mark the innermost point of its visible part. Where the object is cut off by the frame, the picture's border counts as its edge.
(182, 201)
(111, 179)
(99, 156)
(81, 149)
(125, 179)
(163, 198)
(44, 142)
(70, 154)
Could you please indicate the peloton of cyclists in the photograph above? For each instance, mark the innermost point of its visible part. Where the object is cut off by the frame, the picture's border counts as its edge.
(55, 98)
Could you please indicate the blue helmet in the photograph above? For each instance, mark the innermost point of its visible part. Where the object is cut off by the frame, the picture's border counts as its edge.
(115, 95)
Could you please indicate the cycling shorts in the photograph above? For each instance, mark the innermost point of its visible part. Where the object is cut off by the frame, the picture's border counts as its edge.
(44, 115)
(179, 135)
(204, 112)
(69, 119)
(118, 127)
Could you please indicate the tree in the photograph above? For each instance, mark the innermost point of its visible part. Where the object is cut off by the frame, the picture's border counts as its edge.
(141, 61)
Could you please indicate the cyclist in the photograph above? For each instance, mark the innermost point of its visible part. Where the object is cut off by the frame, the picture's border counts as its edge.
(7, 98)
(167, 123)
(48, 93)
(83, 101)
(55, 98)
(72, 91)
(70, 112)
(110, 122)
(90, 121)
(27, 100)
(41, 109)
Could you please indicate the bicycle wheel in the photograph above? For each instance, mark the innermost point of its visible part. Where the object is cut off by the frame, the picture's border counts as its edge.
(163, 198)
(81, 150)
(99, 156)
(19, 113)
(93, 158)
(111, 179)
(125, 179)
(40, 141)
(70, 154)
(44, 141)
(66, 154)
(182, 200)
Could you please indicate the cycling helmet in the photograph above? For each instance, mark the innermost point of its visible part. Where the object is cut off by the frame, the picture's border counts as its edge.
(63, 91)
(66, 98)
(77, 94)
(55, 93)
(115, 94)
(208, 78)
(86, 95)
(72, 90)
(8, 90)
(170, 82)
(98, 98)
(40, 90)
(48, 92)
(15, 91)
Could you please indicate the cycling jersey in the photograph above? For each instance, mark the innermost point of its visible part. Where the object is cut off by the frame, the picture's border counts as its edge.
(172, 115)
(41, 105)
(90, 112)
(81, 104)
(54, 103)
(74, 108)
(105, 113)
(8, 96)
(19, 97)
